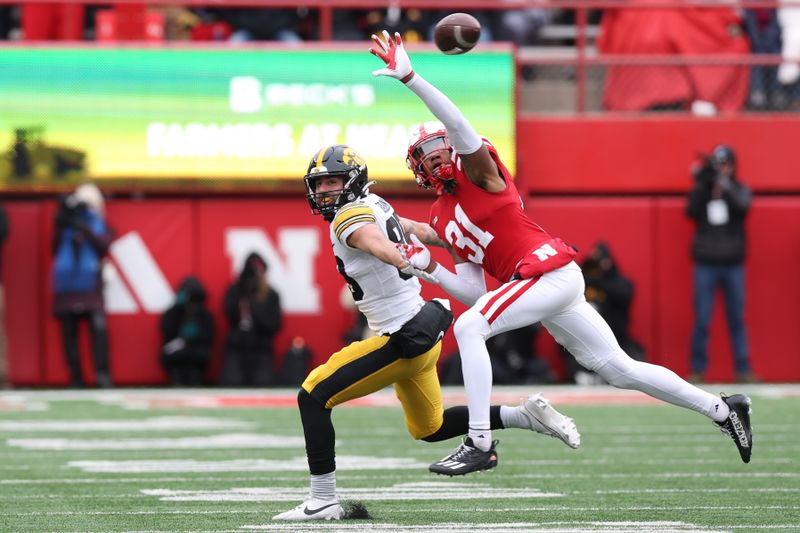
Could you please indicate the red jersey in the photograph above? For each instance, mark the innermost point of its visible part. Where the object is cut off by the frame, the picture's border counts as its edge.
(492, 229)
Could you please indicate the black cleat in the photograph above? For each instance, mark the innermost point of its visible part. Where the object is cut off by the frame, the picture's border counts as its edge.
(467, 458)
(737, 425)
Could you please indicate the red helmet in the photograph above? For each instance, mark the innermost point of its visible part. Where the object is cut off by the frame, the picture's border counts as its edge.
(430, 156)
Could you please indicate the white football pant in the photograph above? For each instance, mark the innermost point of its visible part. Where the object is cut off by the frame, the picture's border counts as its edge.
(557, 301)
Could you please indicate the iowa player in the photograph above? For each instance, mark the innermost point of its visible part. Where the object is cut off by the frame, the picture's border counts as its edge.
(364, 230)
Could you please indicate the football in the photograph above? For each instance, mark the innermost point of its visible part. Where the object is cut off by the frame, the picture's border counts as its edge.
(457, 33)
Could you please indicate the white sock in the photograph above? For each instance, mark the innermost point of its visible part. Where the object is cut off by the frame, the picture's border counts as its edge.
(481, 438)
(323, 486)
(476, 367)
(512, 418)
(719, 410)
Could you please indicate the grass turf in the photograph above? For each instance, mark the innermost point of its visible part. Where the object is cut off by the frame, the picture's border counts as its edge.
(641, 467)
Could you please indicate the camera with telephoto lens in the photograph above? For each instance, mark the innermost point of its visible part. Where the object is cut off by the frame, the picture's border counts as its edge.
(72, 210)
(705, 172)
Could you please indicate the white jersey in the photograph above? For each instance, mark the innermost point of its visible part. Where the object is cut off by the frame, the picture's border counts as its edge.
(387, 297)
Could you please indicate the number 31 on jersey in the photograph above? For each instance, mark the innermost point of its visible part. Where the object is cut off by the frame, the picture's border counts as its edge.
(472, 237)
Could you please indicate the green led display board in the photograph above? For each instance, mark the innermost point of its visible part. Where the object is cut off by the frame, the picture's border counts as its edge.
(149, 116)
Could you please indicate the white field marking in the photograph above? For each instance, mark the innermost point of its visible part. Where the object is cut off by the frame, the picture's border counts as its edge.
(146, 480)
(696, 449)
(566, 462)
(684, 491)
(297, 464)
(19, 402)
(258, 477)
(161, 423)
(692, 439)
(660, 475)
(513, 527)
(227, 441)
(691, 429)
(153, 513)
(401, 492)
(568, 508)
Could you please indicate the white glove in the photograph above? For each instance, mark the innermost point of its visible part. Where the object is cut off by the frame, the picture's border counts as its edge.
(418, 257)
(416, 253)
(392, 52)
(421, 274)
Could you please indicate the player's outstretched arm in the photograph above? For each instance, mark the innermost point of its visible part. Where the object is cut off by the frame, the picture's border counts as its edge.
(424, 232)
(478, 163)
(467, 285)
(369, 238)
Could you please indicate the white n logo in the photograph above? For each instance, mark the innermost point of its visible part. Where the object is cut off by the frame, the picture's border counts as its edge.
(544, 251)
(131, 256)
(293, 277)
(147, 287)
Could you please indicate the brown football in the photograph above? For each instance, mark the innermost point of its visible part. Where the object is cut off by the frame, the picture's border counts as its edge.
(457, 33)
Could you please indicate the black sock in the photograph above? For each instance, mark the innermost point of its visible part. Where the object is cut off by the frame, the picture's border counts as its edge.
(456, 423)
(319, 433)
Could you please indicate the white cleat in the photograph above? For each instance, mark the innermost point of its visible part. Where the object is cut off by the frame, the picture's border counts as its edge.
(313, 509)
(543, 418)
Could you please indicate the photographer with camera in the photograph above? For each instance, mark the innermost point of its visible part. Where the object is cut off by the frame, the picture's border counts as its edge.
(187, 329)
(253, 310)
(80, 241)
(719, 203)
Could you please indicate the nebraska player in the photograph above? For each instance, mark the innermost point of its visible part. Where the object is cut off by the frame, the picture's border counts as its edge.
(478, 215)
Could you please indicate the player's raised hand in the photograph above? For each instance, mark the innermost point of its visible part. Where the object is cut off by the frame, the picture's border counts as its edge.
(392, 52)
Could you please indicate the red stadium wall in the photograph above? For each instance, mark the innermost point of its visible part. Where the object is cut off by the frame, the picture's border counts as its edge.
(636, 161)
(652, 154)
(650, 237)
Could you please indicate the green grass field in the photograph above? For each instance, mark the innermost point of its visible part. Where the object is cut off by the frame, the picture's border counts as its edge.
(211, 460)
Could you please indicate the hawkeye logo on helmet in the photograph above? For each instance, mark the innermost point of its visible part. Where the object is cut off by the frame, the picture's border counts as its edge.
(350, 157)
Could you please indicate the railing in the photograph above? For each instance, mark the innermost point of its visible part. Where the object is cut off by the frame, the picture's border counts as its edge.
(583, 70)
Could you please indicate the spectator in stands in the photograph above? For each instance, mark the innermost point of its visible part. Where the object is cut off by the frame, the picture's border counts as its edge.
(258, 24)
(43, 21)
(80, 242)
(253, 310)
(761, 25)
(4, 382)
(522, 26)
(187, 330)
(674, 31)
(514, 361)
(6, 21)
(295, 363)
(789, 70)
(611, 292)
(413, 24)
(718, 203)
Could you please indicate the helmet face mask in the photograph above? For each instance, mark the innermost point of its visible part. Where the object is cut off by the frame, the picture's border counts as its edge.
(337, 161)
(430, 156)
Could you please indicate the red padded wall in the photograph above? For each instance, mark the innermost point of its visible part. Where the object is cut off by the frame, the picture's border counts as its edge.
(649, 236)
(652, 153)
(22, 262)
